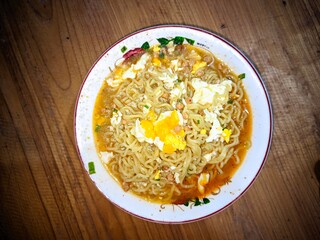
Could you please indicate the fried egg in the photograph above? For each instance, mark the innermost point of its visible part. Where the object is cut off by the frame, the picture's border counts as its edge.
(166, 132)
(214, 94)
(202, 181)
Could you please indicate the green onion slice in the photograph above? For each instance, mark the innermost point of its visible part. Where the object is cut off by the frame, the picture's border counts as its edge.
(178, 40)
(163, 41)
(98, 127)
(92, 169)
(206, 200)
(161, 55)
(242, 76)
(190, 41)
(123, 49)
(145, 46)
(197, 202)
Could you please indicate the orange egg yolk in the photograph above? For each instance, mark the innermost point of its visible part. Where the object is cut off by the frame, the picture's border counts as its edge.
(167, 130)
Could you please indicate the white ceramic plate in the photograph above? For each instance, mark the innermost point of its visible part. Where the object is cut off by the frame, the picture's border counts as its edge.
(243, 178)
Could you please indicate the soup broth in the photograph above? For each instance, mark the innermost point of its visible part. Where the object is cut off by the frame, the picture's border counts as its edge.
(172, 123)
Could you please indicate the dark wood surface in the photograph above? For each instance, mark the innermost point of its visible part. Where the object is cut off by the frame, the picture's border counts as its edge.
(47, 47)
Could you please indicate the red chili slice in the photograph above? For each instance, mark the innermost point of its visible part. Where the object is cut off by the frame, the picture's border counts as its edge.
(133, 52)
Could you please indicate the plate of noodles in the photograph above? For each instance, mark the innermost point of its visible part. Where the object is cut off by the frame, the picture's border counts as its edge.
(173, 123)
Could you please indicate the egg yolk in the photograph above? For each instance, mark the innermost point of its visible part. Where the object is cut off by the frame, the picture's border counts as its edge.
(118, 72)
(149, 129)
(156, 62)
(198, 65)
(167, 130)
(202, 181)
(226, 134)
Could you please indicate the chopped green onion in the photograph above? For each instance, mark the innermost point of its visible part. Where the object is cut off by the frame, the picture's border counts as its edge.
(146, 106)
(198, 121)
(186, 204)
(206, 200)
(190, 41)
(123, 49)
(98, 127)
(161, 55)
(178, 40)
(197, 202)
(115, 110)
(163, 41)
(145, 46)
(230, 101)
(92, 169)
(242, 76)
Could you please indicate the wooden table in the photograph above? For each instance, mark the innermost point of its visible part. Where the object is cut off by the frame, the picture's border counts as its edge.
(47, 47)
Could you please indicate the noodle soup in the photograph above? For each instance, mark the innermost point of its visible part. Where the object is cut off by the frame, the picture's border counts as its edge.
(172, 122)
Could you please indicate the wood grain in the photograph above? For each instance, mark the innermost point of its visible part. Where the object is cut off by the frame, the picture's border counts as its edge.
(47, 47)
